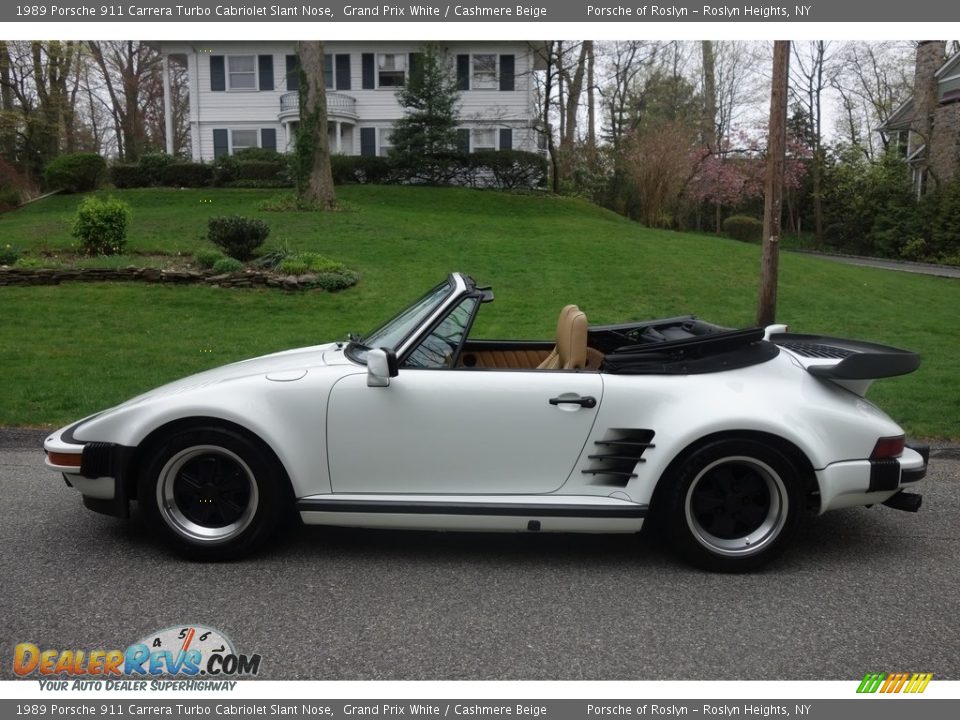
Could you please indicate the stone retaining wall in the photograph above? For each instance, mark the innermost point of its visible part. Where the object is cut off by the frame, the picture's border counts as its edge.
(245, 278)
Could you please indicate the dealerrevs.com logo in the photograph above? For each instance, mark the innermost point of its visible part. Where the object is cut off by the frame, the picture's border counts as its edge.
(188, 651)
(894, 683)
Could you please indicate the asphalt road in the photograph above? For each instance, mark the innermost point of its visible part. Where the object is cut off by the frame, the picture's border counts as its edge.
(862, 590)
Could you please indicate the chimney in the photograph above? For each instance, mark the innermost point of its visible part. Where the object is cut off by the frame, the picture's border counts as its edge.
(931, 54)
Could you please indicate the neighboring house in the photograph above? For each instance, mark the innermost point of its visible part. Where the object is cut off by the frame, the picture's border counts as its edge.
(244, 94)
(927, 126)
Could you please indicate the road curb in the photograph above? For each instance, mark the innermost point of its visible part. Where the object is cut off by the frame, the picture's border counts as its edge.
(22, 438)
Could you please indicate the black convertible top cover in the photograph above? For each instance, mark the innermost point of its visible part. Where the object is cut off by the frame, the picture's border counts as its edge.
(716, 352)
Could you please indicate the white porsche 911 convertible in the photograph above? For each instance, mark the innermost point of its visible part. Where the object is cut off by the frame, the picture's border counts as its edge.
(722, 439)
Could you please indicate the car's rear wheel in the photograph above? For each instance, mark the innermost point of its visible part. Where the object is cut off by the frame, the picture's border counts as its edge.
(733, 505)
(212, 493)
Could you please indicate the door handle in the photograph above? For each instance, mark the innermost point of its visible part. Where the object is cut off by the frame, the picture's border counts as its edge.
(586, 401)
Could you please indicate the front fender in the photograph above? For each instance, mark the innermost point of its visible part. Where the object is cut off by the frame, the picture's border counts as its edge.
(290, 417)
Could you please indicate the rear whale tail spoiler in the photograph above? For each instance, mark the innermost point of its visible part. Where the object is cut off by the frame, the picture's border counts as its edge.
(840, 359)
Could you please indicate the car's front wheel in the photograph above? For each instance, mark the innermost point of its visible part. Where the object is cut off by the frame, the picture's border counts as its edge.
(734, 505)
(212, 493)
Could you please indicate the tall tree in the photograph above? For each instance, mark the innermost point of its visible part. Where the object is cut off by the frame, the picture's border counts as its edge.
(591, 96)
(773, 200)
(131, 75)
(809, 82)
(709, 131)
(314, 177)
(873, 79)
(8, 120)
(428, 128)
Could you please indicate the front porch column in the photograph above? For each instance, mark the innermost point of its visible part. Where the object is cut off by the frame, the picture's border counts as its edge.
(336, 130)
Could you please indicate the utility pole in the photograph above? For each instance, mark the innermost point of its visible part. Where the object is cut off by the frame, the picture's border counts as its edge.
(773, 200)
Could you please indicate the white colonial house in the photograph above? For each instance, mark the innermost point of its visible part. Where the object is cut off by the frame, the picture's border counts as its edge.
(244, 94)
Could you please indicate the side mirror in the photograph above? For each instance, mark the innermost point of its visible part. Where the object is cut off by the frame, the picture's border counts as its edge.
(382, 365)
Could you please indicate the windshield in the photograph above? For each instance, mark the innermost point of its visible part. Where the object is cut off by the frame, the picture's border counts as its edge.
(399, 328)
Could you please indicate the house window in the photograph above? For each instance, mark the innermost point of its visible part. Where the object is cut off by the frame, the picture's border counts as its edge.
(386, 141)
(484, 76)
(391, 70)
(242, 139)
(242, 71)
(484, 139)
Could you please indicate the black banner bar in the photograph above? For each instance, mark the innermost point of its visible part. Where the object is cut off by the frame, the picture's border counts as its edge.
(486, 709)
(579, 11)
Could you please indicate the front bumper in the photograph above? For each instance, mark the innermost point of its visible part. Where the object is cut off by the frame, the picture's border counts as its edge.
(869, 482)
(96, 469)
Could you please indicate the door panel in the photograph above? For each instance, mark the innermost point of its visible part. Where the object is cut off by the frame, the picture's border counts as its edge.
(459, 431)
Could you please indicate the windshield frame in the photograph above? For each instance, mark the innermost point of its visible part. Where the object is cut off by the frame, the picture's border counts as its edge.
(457, 285)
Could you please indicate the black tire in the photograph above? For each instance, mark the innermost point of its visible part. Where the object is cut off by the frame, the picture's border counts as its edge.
(212, 493)
(733, 505)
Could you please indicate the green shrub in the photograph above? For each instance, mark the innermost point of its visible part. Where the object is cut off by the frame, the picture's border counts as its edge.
(76, 172)
(187, 174)
(915, 249)
(371, 169)
(333, 281)
(101, 225)
(33, 263)
(227, 265)
(320, 263)
(9, 198)
(237, 236)
(254, 184)
(207, 258)
(511, 169)
(343, 168)
(292, 266)
(127, 175)
(9, 254)
(270, 171)
(259, 155)
(152, 165)
(741, 227)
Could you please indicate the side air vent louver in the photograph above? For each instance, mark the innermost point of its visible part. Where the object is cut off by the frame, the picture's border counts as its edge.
(617, 454)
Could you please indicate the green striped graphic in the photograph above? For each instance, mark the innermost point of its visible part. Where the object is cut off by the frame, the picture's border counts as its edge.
(871, 682)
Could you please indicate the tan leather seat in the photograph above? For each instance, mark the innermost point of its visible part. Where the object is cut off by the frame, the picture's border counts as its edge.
(570, 352)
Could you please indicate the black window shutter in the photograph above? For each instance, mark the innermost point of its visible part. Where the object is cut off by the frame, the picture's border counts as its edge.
(343, 72)
(221, 145)
(218, 73)
(506, 72)
(368, 142)
(265, 65)
(328, 71)
(463, 140)
(368, 74)
(463, 72)
(293, 73)
(506, 139)
(268, 138)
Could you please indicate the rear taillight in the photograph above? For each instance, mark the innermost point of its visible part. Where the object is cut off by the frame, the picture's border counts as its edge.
(888, 448)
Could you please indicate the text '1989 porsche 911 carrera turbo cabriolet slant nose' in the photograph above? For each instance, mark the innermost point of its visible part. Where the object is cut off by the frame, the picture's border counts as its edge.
(721, 440)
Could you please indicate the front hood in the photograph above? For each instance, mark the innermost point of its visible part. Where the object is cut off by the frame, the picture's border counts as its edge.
(298, 359)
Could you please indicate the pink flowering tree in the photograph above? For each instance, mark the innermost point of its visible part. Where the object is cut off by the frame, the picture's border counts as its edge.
(735, 174)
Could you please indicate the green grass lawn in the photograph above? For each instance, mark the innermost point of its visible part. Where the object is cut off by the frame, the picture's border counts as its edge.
(70, 350)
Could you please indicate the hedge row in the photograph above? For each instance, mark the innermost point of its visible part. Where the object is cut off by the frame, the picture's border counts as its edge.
(502, 169)
(258, 168)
